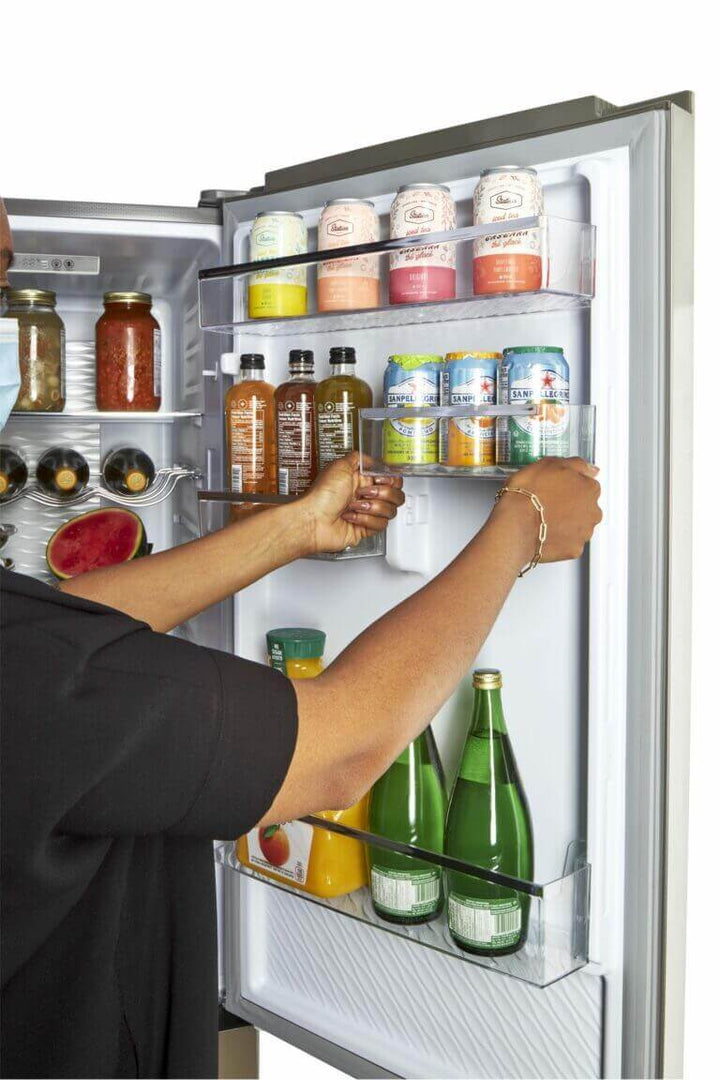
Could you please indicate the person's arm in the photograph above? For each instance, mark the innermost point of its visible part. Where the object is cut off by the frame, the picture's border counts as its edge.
(166, 589)
(390, 682)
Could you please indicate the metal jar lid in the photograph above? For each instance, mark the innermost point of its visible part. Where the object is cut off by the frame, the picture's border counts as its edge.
(31, 296)
(127, 298)
(423, 187)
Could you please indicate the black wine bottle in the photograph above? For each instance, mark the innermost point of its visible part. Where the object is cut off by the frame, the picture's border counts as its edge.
(13, 473)
(128, 471)
(62, 472)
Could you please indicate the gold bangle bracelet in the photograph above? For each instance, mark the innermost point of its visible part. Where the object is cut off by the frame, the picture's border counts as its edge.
(542, 534)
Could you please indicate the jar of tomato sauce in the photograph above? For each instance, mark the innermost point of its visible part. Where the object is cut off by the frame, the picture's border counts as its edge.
(127, 354)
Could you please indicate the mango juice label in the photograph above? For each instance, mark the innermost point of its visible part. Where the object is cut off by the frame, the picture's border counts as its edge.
(283, 850)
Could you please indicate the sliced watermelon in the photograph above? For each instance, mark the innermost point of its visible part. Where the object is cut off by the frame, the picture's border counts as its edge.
(98, 538)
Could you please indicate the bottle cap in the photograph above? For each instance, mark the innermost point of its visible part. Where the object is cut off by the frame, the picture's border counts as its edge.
(250, 361)
(487, 679)
(302, 359)
(31, 296)
(127, 298)
(296, 642)
(342, 354)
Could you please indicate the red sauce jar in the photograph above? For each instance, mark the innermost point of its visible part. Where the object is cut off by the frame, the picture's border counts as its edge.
(127, 354)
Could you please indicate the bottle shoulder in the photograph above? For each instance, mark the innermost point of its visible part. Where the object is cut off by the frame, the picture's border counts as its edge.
(256, 388)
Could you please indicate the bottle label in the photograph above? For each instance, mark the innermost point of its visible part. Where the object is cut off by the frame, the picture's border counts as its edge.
(487, 923)
(157, 364)
(295, 435)
(248, 422)
(335, 431)
(282, 849)
(62, 362)
(401, 892)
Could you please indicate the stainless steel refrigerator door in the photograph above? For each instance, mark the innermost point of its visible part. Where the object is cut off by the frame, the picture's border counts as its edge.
(639, 583)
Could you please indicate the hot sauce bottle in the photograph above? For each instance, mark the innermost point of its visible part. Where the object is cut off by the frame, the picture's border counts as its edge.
(250, 433)
(296, 432)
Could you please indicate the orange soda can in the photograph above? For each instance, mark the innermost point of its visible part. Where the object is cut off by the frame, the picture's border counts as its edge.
(469, 378)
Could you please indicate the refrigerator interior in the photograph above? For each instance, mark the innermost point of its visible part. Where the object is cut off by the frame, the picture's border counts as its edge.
(560, 643)
(162, 258)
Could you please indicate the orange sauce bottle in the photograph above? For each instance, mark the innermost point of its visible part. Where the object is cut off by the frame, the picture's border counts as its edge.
(250, 433)
(309, 858)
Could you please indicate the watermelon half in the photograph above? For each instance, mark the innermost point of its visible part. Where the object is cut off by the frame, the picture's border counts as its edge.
(98, 538)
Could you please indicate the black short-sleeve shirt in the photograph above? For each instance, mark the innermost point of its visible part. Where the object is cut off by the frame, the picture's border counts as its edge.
(124, 752)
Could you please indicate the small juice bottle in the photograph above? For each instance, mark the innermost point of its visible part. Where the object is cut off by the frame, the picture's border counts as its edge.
(250, 433)
(309, 858)
(296, 434)
(338, 400)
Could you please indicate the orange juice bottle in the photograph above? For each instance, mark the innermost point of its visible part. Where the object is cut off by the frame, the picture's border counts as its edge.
(311, 859)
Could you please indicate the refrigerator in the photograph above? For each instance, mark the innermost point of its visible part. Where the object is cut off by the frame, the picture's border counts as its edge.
(594, 653)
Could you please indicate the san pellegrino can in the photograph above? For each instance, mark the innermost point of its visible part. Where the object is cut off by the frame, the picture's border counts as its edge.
(411, 381)
(469, 379)
(283, 291)
(488, 825)
(408, 803)
(537, 374)
(507, 261)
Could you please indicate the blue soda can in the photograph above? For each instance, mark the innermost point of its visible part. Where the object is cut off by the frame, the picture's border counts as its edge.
(539, 374)
(411, 381)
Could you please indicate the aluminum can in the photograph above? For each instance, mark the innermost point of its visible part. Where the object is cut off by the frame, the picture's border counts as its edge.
(469, 379)
(538, 374)
(507, 262)
(411, 381)
(418, 274)
(347, 284)
(277, 293)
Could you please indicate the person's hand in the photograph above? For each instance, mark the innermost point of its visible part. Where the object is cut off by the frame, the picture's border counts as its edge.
(345, 507)
(569, 493)
(6, 246)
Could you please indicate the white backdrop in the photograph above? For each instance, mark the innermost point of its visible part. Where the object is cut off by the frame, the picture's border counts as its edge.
(150, 102)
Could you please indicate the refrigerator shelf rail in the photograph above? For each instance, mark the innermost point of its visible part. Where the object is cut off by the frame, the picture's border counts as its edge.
(93, 416)
(555, 915)
(566, 250)
(414, 442)
(166, 480)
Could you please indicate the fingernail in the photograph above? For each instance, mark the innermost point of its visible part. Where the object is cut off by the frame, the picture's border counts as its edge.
(367, 491)
(382, 479)
(595, 469)
(360, 505)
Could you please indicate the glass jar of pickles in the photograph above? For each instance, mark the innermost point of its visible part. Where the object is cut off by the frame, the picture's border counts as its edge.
(127, 354)
(41, 348)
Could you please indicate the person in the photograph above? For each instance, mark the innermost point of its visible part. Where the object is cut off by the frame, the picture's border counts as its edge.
(125, 751)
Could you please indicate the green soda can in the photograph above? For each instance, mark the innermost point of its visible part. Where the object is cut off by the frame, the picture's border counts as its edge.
(538, 374)
(411, 381)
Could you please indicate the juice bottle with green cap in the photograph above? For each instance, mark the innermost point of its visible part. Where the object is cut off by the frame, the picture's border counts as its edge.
(294, 852)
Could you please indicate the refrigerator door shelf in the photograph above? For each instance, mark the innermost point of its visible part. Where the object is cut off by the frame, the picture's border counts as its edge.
(555, 915)
(415, 442)
(564, 280)
(212, 514)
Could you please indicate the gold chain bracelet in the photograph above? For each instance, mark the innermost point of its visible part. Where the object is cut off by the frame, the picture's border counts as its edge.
(542, 535)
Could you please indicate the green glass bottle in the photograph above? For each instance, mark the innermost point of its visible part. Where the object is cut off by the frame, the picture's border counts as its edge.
(488, 825)
(408, 803)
